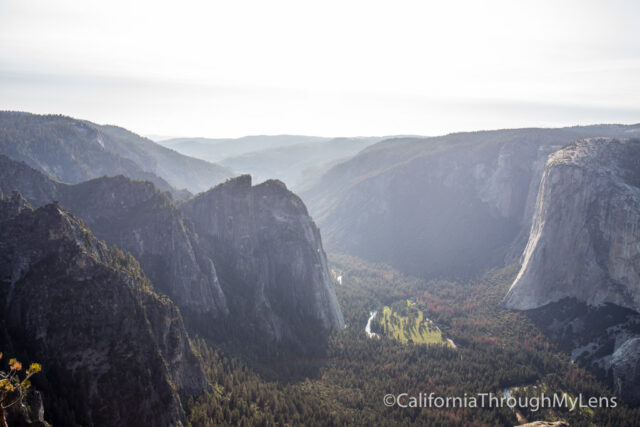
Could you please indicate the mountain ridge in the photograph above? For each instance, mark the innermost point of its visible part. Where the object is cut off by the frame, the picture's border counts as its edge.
(178, 246)
(72, 150)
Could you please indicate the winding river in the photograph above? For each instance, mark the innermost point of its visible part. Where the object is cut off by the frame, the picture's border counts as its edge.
(367, 329)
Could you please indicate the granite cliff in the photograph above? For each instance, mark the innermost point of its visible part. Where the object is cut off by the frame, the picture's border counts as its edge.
(581, 266)
(585, 239)
(269, 259)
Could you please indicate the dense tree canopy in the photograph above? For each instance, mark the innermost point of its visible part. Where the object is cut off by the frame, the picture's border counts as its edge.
(496, 350)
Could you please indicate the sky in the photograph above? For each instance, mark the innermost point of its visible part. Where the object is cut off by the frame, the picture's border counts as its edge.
(329, 68)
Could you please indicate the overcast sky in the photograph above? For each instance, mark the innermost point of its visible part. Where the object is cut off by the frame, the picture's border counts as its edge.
(232, 68)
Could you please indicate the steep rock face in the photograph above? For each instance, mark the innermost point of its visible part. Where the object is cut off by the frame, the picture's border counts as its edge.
(625, 364)
(134, 216)
(72, 151)
(269, 258)
(585, 239)
(137, 217)
(117, 352)
(443, 206)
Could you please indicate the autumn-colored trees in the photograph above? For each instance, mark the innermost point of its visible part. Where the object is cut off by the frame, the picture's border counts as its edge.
(13, 387)
(496, 349)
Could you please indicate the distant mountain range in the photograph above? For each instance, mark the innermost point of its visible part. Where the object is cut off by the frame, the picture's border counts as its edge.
(72, 151)
(296, 160)
(240, 265)
(217, 149)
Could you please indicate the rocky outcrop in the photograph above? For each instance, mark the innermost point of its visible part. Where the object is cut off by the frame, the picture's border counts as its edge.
(625, 365)
(29, 413)
(270, 260)
(585, 240)
(113, 350)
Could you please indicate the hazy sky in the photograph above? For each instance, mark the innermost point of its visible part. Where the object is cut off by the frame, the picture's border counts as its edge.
(231, 68)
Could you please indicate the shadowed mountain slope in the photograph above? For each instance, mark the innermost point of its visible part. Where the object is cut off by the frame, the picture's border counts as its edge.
(70, 150)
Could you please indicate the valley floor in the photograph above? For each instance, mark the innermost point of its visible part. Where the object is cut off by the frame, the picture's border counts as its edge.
(495, 350)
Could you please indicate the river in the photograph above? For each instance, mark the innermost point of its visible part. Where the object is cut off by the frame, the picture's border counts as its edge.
(367, 329)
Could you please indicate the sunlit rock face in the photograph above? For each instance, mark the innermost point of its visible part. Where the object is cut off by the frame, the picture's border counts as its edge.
(585, 237)
(270, 260)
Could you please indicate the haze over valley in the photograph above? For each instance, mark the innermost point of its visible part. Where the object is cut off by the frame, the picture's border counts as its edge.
(426, 236)
(323, 214)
